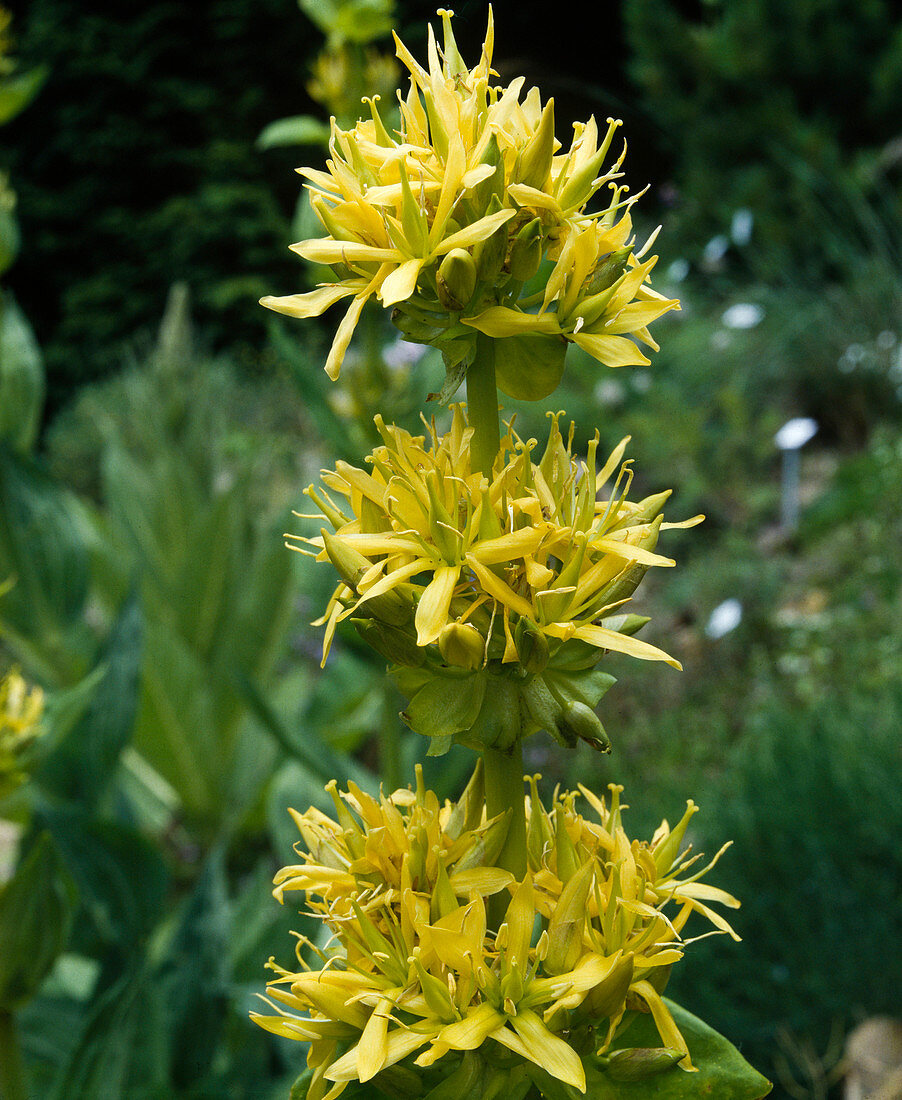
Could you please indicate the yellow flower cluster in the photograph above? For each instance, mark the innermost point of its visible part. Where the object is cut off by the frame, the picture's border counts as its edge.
(506, 569)
(412, 966)
(21, 708)
(447, 219)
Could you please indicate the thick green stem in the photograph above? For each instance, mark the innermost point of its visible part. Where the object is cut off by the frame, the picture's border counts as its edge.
(503, 770)
(12, 1068)
(504, 791)
(482, 406)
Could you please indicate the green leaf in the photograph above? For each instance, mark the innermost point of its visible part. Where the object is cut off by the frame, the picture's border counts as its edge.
(121, 1051)
(529, 367)
(43, 551)
(83, 763)
(196, 975)
(120, 875)
(297, 130)
(36, 910)
(16, 92)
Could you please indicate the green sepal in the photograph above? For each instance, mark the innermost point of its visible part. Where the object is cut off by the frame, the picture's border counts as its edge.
(444, 705)
(529, 367)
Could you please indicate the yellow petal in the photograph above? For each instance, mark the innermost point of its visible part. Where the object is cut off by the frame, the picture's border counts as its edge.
(664, 1022)
(499, 321)
(311, 304)
(534, 1041)
(343, 336)
(432, 610)
(613, 351)
(518, 544)
(473, 1030)
(373, 1046)
(609, 639)
(501, 591)
(327, 251)
(402, 282)
(399, 1044)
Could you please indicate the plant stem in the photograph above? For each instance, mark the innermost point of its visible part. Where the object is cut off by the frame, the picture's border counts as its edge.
(482, 406)
(504, 791)
(12, 1067)
(503, 770)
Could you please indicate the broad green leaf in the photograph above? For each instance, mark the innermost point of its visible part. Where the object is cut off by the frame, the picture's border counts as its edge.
(82, 764)
(121, 878)
(195, 975)
(43, 552)
(529, 367)
(121, 1052)
(445, 706)
(36, 910)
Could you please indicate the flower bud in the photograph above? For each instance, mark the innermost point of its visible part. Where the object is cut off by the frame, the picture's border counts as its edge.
(565, 929)
(456, 279)
(526, 251)
(462, 645)
(532, 646)
(584, 722)
(637, 1063)
(535, 160)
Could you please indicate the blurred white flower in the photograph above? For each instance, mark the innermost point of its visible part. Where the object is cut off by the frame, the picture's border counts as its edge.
(677, 271)
(641, 381)
(609, 391)
(724, 618)
(741, 226)
(716, 249)
(743, 315)
(402, 353)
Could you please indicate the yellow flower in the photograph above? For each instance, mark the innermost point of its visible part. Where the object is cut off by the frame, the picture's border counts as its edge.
(21, 708)
(607, 893)
(415, 975)
(445, 220)
(516, 582)
(542, 549)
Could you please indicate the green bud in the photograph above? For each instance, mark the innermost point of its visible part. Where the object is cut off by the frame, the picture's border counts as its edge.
(607, 272)
(532, 646)
(565, 929)
(462, 645)
(535, 160)
(584, 722)
(443, 900)
(489, 254)
(626, 624)
(637, 1063)
(526, 251)
(456, 279)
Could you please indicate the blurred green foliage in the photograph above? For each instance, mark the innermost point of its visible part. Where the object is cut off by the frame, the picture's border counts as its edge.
(760, 105)
(154, 601)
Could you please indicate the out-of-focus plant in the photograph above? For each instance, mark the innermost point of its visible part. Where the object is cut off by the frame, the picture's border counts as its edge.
(489, 945)
(746, 99)
(21, 376)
